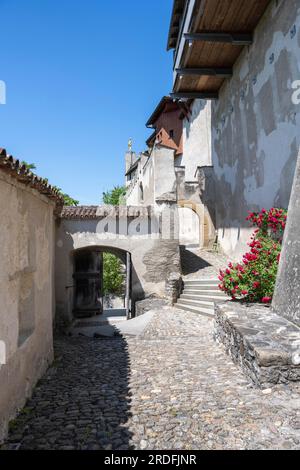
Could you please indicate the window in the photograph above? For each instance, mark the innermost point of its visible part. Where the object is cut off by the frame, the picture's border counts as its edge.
(171, 134)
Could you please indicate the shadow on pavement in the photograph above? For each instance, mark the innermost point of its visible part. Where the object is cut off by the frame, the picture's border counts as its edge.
(190, 262)
(83, 402)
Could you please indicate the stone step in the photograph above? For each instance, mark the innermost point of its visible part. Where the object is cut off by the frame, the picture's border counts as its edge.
(211, 290)
(211, 298)
(197, 303)
(194, 291)
(201, 281)
(213, 287)
(201, 311)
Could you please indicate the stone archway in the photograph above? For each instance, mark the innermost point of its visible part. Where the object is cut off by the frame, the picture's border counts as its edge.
(204, 224)
(189, 227)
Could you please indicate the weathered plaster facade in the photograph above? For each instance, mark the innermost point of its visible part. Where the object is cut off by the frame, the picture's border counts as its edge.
(196, 139)
(256, 126)
(155, 178)
(26, 292)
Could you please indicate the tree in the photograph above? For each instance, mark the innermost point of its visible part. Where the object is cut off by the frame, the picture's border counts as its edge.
(115, 196)
(113, 274)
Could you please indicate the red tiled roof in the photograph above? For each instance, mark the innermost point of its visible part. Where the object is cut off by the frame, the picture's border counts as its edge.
(98, 212)
(18, 171)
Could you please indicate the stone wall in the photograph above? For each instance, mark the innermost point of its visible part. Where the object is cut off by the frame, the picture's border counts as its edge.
(256, 127)
(174, 286)
(263, 344)
(26, 292)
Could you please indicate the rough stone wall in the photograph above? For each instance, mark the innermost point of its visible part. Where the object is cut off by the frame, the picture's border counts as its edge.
(26, 292)
(265, 345)
(153, 258)
(256, 127)
(174, 286)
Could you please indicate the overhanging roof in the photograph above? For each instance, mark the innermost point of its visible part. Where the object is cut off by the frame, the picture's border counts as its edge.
(177, 12)
(166, 104)
(211, 38)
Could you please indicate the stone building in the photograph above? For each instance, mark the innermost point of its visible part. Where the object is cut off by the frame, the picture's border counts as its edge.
(173, 167)
(240, 62)
(27, 241)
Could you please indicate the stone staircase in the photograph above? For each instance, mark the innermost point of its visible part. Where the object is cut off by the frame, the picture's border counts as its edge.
(199, 296)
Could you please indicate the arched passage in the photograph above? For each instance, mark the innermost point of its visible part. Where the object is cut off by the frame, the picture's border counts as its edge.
(88, 274)
(195, 225)
(189, 227)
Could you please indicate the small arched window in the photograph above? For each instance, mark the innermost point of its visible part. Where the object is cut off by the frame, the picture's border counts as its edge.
(141, 195)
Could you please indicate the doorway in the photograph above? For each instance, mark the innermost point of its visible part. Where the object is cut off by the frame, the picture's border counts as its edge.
(102, 283)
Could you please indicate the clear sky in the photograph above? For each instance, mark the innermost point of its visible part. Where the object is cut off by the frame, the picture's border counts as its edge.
(82, 77)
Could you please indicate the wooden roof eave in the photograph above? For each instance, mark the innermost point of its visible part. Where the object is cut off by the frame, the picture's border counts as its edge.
(208, 54)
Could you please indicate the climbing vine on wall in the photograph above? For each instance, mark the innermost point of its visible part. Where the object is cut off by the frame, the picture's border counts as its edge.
(253, 280)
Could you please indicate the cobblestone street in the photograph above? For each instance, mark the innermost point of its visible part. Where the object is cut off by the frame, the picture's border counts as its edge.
(171, 388)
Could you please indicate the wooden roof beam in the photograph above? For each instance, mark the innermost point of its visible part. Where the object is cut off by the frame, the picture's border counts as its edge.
(221, 72)
(195, 95)
(236, 39)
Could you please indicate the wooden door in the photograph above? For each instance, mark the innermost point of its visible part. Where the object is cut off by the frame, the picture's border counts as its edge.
(88, 277)
(128, 304)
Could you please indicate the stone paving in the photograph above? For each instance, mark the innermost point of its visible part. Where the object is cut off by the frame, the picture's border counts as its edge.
(172, 387)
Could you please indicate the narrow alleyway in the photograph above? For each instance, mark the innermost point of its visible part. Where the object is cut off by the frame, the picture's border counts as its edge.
(172, 387)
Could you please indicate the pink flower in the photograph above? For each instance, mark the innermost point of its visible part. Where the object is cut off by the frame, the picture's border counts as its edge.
(256, 284)
(266, 300)
(244, 292)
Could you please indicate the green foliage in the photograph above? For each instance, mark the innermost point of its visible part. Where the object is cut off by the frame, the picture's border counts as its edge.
(29, 166)
(113, 276)
(115, 197)
(68, 200)
(254, 279)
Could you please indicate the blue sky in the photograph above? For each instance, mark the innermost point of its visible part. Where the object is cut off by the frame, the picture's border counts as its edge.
(82, 77)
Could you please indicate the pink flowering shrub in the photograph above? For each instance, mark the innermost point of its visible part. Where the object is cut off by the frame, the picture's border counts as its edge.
(253, 280)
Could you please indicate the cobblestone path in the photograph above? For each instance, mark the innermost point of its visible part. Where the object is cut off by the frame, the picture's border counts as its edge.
(171, 388)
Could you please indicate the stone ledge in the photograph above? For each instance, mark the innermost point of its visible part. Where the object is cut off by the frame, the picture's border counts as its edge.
(265, 345)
